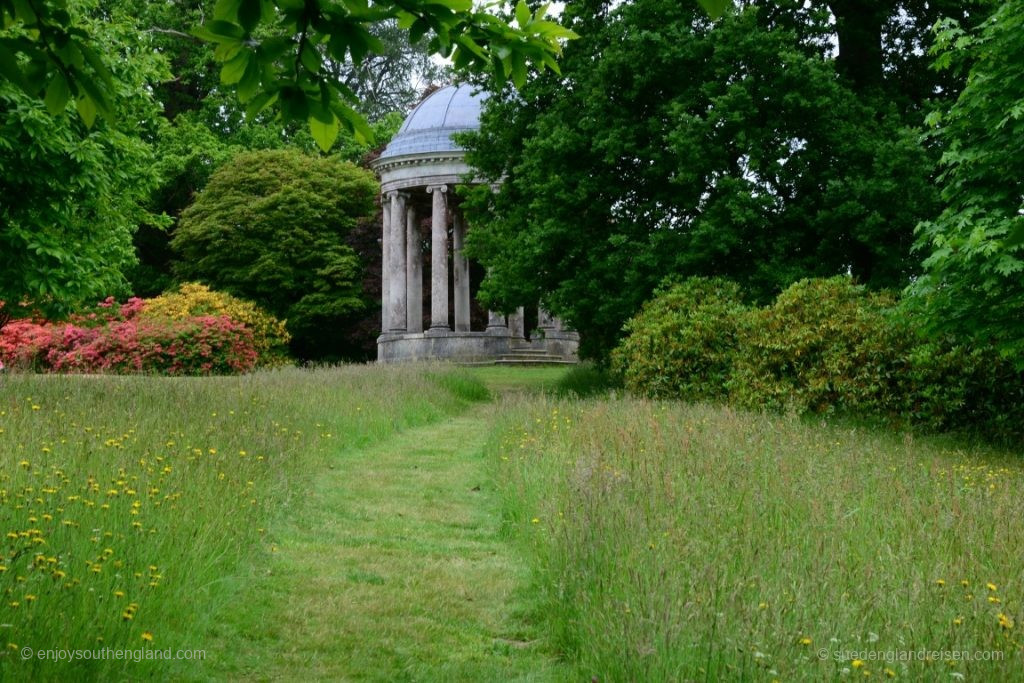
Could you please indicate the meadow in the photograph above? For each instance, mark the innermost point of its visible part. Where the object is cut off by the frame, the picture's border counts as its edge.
(427, 523)
(676, 542)
(129, 506)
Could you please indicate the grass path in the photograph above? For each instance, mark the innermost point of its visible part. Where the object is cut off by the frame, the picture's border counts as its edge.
(393, 569)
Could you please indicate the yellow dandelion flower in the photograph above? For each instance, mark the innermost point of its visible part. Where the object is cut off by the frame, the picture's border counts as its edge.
(990, 586)
(958, 621)
(535, 521)
(118, 594)
(806, 641)
(965, 583)
(890, 673)
(857, 663)
(147, 636)
(940, 582)
(762, 605)
(1005, 621)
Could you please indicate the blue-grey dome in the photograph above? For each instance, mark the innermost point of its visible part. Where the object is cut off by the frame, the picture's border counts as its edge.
(428, 129)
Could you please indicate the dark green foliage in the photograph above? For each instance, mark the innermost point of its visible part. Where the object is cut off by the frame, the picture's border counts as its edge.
(586, 379)
(973, 284)
(271, 227)
(674, 147)
(825, 346)
(683, 343)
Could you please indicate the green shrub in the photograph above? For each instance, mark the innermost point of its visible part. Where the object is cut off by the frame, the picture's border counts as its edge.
(953, 386)
(270, 227)
(824, 345)
(684, 341)
(586, 379)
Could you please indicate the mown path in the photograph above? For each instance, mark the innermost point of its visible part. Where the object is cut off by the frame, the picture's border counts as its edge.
(393, 569)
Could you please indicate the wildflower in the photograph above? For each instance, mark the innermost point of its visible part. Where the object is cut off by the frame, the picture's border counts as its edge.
(1005, 621)
(940, 582)
(965, 583)
(806, 641)
(857, 663)
(763, 605)
(890, 673)
(958, 621)
(147, 636)
(990, 586)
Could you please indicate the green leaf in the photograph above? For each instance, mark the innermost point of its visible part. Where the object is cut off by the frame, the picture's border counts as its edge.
(418, 30)
(249, 84)
(86, 109)
(260, 102)
(226, 10)
(234, 68)
(310, 58)
(249, 14)
(522, 14)
(224, 29)
(354, 122)
(454, 5)
(324, 133)
(714, 8)
(518, 70)
(57, 95)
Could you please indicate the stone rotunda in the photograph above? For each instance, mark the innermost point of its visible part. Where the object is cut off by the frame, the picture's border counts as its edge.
(418, 171)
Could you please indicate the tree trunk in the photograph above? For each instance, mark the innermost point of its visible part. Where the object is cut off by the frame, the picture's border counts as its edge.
(859, 31)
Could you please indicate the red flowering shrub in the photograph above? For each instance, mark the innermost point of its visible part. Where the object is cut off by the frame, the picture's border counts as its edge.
(23, 343)
(121, 342)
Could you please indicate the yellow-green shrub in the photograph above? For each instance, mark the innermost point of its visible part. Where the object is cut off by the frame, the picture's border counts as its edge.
(194, 299)
(824, 346)
(682, 344)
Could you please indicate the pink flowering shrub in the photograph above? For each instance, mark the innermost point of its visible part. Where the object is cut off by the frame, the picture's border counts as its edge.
(23, 343)
(118, 341)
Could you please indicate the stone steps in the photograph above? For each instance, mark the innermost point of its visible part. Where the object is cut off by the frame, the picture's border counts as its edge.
(534, 361)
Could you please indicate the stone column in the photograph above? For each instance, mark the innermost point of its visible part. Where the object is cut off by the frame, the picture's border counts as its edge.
(413, 272)
(461, 266)
(496, 323)
(385, 245)
(396, 265)
(517, 324)
(439, 259)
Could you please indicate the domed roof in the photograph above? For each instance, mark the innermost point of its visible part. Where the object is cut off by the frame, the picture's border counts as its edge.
(428, 129)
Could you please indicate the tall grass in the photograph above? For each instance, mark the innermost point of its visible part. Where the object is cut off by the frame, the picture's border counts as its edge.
(128, 504)
(676, 542)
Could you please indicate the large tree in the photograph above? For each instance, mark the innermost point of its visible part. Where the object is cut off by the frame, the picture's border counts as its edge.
(674, 147)
(271, 227)
(973, 285)
(73, 196)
